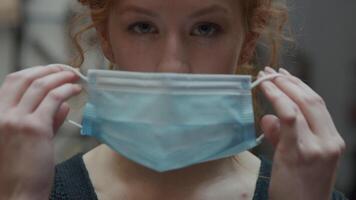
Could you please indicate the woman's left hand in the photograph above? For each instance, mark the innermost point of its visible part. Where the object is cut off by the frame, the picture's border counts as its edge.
(307, 145)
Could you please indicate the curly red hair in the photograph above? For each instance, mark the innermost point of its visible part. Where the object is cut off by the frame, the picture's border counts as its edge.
(263, 19)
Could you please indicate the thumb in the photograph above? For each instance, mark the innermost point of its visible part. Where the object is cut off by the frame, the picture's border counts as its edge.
(270, 125)
(60, 117)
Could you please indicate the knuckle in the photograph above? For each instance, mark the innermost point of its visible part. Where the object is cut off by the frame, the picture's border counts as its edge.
(8, 123)
(297, 80)
(310, 154)
(54, 67)
(332, 149)
(12, 77)
(31, 126)
(342, 145)
(18, 77)
(290, 118)
(27, 126)
(39, 84)
(55, 95)
(277, 97)
(313, 100)
(339, 146)
(27, 80)
(333, 152)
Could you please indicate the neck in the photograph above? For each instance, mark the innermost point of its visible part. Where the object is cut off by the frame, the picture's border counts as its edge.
(128, 171)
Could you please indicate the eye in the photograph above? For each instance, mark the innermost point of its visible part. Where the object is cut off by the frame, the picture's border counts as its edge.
(142, 28)
(206, 29)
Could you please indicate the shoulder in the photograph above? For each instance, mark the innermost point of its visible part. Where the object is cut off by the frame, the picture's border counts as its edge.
(337, 195)
(72, 181)
(264, 178)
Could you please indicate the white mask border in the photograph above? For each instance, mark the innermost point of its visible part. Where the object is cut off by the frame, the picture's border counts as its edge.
(259, 140)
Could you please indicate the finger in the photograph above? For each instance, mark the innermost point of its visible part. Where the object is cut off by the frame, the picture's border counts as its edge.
(60, 117)
(297, 81)
(312, 107)
(40, 87)
(284, 106)
(17, 83)
(287, 111)
(54, 99)
(271, 126)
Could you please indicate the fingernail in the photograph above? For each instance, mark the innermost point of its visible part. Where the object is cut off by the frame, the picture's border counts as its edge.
(270, 70)
(78, 87)
(261, 74)
(283, 71)
(69, 73)
(76, 75)
(55, 67)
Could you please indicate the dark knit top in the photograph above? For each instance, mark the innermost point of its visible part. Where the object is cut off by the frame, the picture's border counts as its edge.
(72, 181)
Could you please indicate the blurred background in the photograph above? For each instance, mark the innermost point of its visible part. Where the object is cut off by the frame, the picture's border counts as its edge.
(35, 32)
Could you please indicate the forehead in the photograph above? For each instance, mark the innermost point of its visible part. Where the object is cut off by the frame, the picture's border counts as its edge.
(182, 6)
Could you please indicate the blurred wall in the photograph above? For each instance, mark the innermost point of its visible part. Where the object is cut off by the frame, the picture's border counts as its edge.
(326, 32)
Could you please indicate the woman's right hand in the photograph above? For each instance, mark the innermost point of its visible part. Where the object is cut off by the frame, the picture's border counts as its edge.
(32, 108)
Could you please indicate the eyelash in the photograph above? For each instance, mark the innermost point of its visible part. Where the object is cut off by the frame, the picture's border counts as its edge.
(135, 25)
(216, 29)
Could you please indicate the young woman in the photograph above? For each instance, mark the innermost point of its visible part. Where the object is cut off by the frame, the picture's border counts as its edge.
(174, 36)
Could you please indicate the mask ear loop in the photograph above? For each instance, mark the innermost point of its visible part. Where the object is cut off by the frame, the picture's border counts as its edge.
(69, 68)
(255, 84)
(82, 77)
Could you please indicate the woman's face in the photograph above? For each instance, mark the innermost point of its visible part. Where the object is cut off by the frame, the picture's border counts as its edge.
(178, 36)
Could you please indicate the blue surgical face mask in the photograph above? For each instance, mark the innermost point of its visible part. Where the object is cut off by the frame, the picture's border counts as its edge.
(167, 121)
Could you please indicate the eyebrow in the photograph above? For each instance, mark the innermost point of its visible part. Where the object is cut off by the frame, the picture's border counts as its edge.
(210, 9)
(137, 9)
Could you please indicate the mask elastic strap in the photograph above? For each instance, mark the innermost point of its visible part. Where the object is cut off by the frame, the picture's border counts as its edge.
(76, 124)
(255, 84)
(69, 68)
(82, 77)
(266, 78)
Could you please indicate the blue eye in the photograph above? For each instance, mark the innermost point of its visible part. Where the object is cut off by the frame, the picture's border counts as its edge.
(142, 28)
(206, 30)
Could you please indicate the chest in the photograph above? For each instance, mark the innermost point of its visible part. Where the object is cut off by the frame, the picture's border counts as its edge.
(227, 189)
